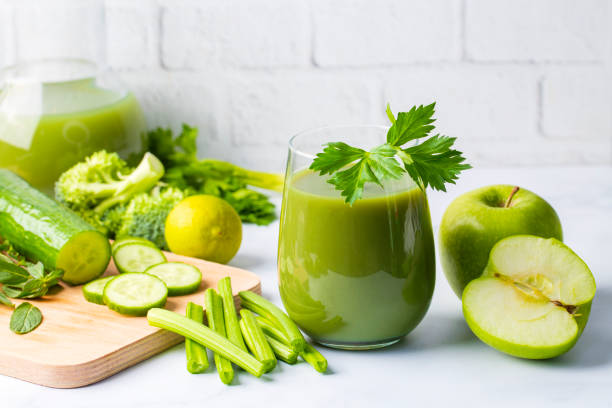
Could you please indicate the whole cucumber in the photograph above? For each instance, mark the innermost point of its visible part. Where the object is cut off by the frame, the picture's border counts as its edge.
(43, 230)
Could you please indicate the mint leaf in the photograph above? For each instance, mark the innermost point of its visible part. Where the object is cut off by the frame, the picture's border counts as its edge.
(37, 270)
(431, 163)
(33, 288)
(11, 274)
(52, 278)
(4, 299)
(25, 318)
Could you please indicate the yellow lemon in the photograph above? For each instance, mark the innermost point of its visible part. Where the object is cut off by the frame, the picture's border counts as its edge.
(204, 226)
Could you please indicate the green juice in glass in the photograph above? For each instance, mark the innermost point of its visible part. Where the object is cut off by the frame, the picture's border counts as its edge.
(46, 128)
(355, 277)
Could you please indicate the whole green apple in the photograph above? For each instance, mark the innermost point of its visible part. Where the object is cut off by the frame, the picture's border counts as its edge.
(476, 220)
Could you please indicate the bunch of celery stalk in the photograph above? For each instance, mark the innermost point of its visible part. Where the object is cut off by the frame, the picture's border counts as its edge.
(255, 342)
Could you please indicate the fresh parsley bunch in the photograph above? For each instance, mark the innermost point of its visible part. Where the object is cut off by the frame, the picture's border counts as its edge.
(184, 170)
(431, 162)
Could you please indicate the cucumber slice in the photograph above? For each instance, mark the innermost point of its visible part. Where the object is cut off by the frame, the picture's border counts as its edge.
(94, 290)
(130, 258)
(130, 240)
(84, 257)
(135, 293)
(180, 278)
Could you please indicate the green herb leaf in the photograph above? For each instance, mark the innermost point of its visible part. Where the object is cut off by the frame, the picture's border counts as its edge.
(374, 166)
(433, 162)
(335, 156)
(12, 291)
(207, 176)
(411, 125)
(11, 274)
(53, 277)
(25, 318)
(37, 270)
(34, 288)
(4, 299)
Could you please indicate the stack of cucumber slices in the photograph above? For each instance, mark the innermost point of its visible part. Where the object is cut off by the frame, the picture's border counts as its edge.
(145, 279)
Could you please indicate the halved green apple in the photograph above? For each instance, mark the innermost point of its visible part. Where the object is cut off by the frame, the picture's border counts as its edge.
(533, 299)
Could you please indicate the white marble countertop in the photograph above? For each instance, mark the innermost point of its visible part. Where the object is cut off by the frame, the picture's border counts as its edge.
(439, 364)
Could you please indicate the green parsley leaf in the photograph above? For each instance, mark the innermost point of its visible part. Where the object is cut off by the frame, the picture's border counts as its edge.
(335, 156)
(432, 163)
(411, 125)
(374, 166)
(25, 318)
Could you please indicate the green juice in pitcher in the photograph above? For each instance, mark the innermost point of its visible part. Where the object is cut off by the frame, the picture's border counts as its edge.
(48, 126)
(359, 276)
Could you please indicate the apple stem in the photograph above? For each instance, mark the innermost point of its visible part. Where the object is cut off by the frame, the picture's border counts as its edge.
(511, 196)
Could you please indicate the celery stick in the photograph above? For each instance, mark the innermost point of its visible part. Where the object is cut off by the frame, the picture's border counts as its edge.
(197, 358)
(256, 340)
(214, 314)
(282, 351)
(314, 358)
(229, 312)
(185, 327)
(276, 336)
(271, 330)
(267, 309)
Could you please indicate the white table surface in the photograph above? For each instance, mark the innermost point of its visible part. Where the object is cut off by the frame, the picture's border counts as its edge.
(439, 364)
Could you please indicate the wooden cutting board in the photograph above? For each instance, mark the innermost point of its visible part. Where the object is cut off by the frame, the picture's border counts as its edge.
(80, 343)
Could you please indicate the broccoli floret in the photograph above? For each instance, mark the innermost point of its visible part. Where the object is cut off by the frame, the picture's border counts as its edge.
(104, 180)
(145, 215)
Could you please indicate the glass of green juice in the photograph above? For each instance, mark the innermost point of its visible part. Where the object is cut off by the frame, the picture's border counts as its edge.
(353, 277)
(55, 112)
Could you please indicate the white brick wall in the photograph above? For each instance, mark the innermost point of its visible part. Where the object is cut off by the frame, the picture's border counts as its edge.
(536, 30)
(132, 34)
(519, 82)
(385, 32)
(255, 33)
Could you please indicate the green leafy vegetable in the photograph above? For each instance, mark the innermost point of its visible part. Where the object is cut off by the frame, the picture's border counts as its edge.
(21, 279)
(11, 274)
(25, 318)
(5, 300)
(432, 162)
(208, 176)
(25, 279)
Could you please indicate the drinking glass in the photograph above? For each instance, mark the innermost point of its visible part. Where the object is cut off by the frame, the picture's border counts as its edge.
(353, 277)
